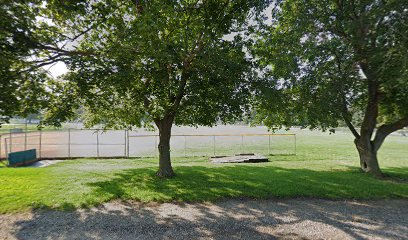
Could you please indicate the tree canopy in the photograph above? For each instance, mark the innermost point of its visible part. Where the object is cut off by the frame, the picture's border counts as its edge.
(165, 62)
(327, 59)
(29, 41)
(20, 89)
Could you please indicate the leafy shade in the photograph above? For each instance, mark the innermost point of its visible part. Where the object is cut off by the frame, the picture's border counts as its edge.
(29, 40)
(21, 91)
(328, 59)
(161, 61)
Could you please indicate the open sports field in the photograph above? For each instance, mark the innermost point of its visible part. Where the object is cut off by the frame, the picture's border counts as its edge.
(325, 166)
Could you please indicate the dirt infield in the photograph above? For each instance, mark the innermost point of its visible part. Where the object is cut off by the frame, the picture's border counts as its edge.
(232, 219)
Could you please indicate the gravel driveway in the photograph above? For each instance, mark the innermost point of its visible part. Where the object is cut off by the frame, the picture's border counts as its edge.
(231, 219)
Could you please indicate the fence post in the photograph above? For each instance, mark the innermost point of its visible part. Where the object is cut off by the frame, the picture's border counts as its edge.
(69, 142)
(25, 135)
(242, 144)
(0, 147)
(128, 144)
(5, 148)
(124, 142)
(269, 144)
(185, 145)
(214, 144)
(11, 141)
(97, 143)
(39, 151)
(295, 144)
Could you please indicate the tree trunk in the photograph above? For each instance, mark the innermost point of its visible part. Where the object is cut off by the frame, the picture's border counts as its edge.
(165, 168)
(368, 158)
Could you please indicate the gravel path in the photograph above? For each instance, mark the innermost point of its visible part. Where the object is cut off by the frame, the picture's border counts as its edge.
(231, 219)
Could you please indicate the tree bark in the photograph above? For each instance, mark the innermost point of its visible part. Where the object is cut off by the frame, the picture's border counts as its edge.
(367, 148)
(368, 157)
(165, 169)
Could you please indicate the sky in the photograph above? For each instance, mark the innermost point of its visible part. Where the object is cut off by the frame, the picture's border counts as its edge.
(57, 69)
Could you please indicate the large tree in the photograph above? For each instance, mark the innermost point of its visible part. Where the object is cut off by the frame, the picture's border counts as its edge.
(167, 62)
(328, 59)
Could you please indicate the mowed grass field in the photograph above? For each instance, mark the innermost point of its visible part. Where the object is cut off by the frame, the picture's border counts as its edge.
(326, 166)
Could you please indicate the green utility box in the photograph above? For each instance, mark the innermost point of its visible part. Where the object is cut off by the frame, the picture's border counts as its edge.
(22, 158)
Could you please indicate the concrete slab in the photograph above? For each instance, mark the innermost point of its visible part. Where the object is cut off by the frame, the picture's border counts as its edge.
(241, 158)
(44, 163)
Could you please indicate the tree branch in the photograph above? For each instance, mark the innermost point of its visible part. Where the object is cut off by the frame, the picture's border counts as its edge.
(81, 33)
(371, 112)
(386, 129)
(146, 100)
(345, 115)
(185, 73)
(42, 63)
(181, 89)
(65, 52)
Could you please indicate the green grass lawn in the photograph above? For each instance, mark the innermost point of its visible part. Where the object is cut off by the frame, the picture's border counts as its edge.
(326, 166)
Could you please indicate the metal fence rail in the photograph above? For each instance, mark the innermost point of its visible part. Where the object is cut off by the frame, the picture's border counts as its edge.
(97, 143)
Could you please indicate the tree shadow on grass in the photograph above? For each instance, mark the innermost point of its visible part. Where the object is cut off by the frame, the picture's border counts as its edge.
(201, 183)
(397, 174)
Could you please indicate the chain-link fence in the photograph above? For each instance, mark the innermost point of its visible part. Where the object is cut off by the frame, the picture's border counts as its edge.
(73, 143)
(215, 145)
